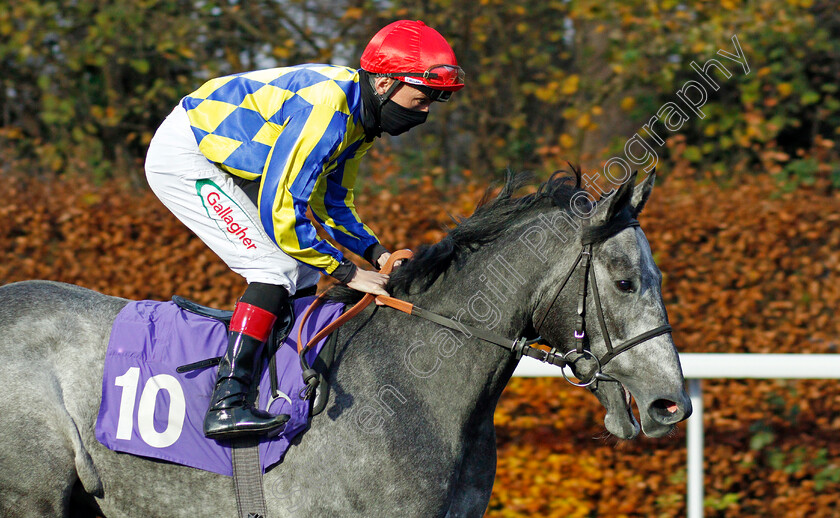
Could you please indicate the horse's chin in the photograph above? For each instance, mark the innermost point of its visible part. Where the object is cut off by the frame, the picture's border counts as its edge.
(619, 420)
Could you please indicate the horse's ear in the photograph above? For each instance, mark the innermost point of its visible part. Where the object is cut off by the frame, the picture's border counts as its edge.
(615, 203)
(641, 194)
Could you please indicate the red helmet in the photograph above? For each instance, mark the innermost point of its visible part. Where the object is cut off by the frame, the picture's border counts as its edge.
(414, 53)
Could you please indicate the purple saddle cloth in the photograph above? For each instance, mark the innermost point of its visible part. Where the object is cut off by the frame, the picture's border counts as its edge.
(151, 410)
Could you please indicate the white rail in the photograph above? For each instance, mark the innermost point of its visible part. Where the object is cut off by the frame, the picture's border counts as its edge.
(699, 366)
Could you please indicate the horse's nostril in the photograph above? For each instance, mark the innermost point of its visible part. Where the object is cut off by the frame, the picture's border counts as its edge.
(664, 409)
(670, 406)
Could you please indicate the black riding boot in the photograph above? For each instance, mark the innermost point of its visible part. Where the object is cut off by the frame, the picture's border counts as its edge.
(230, 412)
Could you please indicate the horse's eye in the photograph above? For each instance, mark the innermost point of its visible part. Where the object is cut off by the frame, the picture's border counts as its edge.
(625, 286)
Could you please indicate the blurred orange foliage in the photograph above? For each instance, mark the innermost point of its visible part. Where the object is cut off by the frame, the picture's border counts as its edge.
(747, 269)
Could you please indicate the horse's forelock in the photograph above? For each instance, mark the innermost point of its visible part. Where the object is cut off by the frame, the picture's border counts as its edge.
(599, 233)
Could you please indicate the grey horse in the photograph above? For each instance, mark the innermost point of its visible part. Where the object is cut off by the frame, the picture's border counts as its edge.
(408, 427)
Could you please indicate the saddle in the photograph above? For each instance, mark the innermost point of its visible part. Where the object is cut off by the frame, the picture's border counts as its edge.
(281, 330)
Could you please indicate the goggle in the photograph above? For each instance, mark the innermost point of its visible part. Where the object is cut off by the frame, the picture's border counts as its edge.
(436, 76)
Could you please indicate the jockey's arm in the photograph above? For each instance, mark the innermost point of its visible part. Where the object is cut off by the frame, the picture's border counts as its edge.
(299, 155)
(334, 207)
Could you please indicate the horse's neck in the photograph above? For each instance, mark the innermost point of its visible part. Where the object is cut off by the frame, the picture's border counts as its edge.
(435, 368)
(472, 298)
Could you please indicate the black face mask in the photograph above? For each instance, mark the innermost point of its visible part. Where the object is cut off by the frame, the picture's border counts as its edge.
(395, 120)
(380, 114)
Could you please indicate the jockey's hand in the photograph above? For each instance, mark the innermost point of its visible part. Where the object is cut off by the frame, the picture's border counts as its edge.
(369, 282)
(384, 258)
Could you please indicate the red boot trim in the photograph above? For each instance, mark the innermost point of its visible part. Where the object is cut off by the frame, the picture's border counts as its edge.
(252, 321)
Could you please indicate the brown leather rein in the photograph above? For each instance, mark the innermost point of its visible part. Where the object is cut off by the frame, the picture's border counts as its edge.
(520, 346)
(401, 305)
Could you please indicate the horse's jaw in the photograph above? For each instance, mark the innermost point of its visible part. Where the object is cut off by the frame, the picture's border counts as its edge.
(659, 417)
(619, 420)
(660, 405)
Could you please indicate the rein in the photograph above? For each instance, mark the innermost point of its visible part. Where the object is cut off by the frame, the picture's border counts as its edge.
(520, 346)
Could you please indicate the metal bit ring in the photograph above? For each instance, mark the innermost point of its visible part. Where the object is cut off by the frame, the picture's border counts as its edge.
(594, 377)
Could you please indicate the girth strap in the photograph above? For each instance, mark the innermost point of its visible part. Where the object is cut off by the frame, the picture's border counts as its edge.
(247, 477)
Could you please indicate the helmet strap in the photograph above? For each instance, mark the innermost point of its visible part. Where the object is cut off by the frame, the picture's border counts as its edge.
(374, 128)
(383, 98)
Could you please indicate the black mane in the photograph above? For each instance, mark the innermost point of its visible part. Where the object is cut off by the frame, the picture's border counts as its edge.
(489, 221)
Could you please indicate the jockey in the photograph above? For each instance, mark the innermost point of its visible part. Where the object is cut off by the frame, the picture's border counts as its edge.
(241, 159)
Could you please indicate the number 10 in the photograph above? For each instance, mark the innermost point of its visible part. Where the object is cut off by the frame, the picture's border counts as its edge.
(146, 408)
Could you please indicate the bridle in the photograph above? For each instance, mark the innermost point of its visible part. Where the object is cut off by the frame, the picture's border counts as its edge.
(521, 346)
(554, 357)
